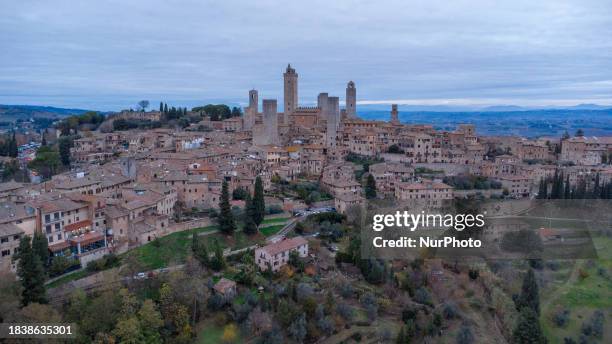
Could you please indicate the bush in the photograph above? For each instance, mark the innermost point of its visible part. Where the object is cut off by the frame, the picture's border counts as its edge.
(561, 317)
(422, 296)
(465, 335)
(408, 314)
(450, 310)
(345, 311)
(239, 194)
(594, 326)
(274, 209)
(473, 273)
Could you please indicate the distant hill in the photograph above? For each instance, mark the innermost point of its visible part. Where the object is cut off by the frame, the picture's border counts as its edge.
(14, 112)
(502, 108)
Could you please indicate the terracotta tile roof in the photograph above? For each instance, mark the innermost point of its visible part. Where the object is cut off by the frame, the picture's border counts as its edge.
(284, 245)
(77, 225)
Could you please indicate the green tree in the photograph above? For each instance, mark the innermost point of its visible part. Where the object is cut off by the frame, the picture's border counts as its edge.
(128, 331)
(543, 189)
(65, 143)
(259, 202)
(31, 274)
(46, 163)
(527, 330)
(12, 147)
(250, 227)
(40, 247)
(567, 191)
(579, 133)
(199, 249)
(227, 224)
(161, 106)
(370, 189)
(150, 322)
(218, 261)
(530, 295)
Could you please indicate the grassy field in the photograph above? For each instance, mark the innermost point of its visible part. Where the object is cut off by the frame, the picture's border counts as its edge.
(68, 278)
(582, 293)
(212, 334)
(167, 250)
(275, 220)
(271, 230)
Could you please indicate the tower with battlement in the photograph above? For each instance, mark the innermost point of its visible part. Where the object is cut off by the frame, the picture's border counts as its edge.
(251, 112)
(351, 100)
(394, 114)
(291, 91)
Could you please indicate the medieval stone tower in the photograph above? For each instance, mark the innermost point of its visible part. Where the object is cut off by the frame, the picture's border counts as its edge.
(394, 114)
(322, 100)
(251, 112)
(291, 91)
(351, 100)
(270, 121)
(333, 121)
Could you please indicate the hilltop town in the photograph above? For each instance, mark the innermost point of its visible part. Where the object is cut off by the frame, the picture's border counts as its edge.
(261, 201)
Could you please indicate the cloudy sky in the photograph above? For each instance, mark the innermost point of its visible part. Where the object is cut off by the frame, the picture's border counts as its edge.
(107, 55)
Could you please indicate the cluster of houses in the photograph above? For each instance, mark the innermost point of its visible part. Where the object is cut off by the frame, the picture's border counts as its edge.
(126, 186)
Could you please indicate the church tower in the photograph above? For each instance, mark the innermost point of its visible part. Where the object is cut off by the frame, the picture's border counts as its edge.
(351, 100)
(291, 92)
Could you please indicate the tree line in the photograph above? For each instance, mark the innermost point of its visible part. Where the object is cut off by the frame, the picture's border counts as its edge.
(559, 187)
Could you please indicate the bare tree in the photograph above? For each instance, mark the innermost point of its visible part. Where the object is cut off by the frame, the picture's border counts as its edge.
(144, 104)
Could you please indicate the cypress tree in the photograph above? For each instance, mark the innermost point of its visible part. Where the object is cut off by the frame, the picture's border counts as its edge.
(200, 251)
(527, 330)
(31, 274)
(559, 191)
(161, 107)
(401, 336)
(40, 247)
(596, 187)
(542, 190)
(567, 192)
(554, 188)
(530, 295)
(165, 108)
(226, 218)
(259, 202)
(370, 189)
(12, 146)
(250, 227)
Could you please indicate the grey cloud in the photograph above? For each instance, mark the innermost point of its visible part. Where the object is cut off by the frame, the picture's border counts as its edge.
(109, 54)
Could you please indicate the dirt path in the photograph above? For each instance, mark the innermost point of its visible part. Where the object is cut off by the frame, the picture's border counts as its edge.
(562, 289)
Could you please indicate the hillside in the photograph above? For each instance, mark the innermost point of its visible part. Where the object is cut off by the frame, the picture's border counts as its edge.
(14, 112)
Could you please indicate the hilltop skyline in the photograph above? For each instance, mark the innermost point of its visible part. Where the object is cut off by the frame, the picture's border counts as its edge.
(109, 55)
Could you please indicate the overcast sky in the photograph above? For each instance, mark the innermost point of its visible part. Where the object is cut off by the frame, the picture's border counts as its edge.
(107, 55)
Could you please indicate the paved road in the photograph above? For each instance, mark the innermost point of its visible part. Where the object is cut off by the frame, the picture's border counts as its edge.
(291, 224)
